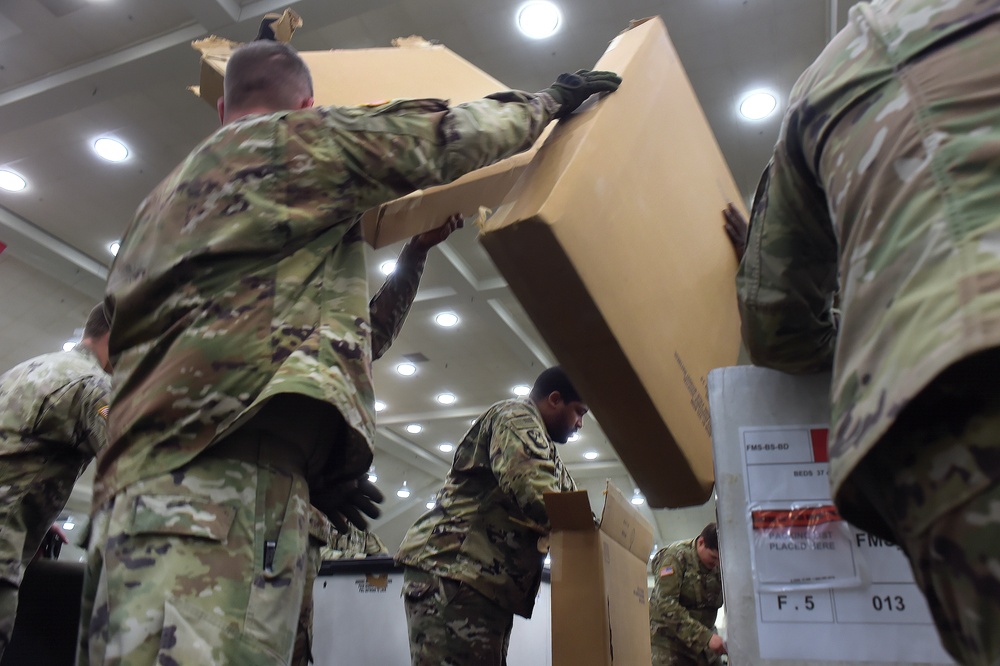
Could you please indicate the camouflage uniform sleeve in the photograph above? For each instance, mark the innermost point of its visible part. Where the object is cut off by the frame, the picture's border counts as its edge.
(374, 545)
(788, 277)
(406, 145)
(672, 620)
(95, 394)
(392, 303)
(522, 461)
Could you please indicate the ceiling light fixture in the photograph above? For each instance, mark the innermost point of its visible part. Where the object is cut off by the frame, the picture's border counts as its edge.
(575, 437)
(521, 390)
(379, 406)
(113, 248)
(68, 525)
(758, 105)
(387, 267)
(11, 182)
(446, 398)
(637, 498)
(538, 20)
(414, 428)
(446, 319)
(591, 455)
(446, 447)
(68, 345)
(403, 492)
(406, 369)
(372, 476)
(431, 503)
(110, 149)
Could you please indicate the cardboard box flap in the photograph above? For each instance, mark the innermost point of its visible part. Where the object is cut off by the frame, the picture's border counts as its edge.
(623, 523)
(569, 511)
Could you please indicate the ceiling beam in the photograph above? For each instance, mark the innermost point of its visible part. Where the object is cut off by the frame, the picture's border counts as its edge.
(43, 251)
(527, 340)
(213, 14)
(411, 454)
(165, 41)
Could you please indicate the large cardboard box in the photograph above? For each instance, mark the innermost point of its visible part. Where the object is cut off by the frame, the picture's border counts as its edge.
(413, 68)
(600, 609)
(613, 242)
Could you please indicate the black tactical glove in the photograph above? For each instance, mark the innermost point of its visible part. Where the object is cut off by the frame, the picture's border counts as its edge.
(570, 90)
(345, 501)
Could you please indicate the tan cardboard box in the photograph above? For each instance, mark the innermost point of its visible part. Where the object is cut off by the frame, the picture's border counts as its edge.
(613, 242)
(600, 613)
(414, 68)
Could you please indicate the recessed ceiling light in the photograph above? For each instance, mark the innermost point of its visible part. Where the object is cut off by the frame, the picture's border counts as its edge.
(110, 149)
(403, 492)
(521, 390)
(387, 267)
(414, 428)
(430, 504)
(575, 437)
(68, 525)
(446, 398)
(379, 405)
(446, 447)
(538, 20)
(758, 105)
(591, 455)
(406, 369)
(11, 182)
(446, 319)
(637, 498)
(69, 344)
(372, 476)
(114, 247)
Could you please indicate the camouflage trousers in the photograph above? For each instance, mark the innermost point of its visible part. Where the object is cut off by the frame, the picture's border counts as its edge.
(206, 565)
(666, 655)
(33, 490)
(932, 485)
(451, 624)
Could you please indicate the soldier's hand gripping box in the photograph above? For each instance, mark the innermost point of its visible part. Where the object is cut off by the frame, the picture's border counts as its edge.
(413, 68)
(613, 242)
(600, 610)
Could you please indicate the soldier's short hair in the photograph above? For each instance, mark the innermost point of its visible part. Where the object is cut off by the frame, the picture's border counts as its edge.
(554, 379)
(97, 323)
(710, 535)
(266, 73)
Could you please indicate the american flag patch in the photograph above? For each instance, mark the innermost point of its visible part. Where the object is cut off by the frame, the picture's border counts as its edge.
(667, 571)
(103, 411)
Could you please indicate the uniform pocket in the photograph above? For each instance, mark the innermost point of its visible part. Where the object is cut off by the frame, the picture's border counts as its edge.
(181, 516)
(417, 591)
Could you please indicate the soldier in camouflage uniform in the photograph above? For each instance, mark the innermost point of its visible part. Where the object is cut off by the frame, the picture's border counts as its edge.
(686, 598)
(885, 187)
(53, 421)
(354, 544)
(475, 559)
(243, 344)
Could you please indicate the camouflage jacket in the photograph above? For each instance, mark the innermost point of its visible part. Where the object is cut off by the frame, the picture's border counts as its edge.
(53, 420)
(243, 274)
(353, 546)
(883, 185)
(685, 600)
(489, 527)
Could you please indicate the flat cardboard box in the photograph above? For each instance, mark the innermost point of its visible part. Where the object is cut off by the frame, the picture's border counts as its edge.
(600, 609)
(613, 242)
(414, 68)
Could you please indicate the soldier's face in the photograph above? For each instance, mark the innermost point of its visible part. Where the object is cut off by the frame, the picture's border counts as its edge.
(708, 557)
(566, 418)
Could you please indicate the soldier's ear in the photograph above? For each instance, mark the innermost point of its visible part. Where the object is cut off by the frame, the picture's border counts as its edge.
(220, 105)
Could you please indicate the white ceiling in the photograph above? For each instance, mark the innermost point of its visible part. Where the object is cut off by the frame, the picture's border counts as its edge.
(74, 70)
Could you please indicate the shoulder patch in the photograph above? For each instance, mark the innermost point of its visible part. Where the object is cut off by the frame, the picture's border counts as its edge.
(103, 411)
(666, 571)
